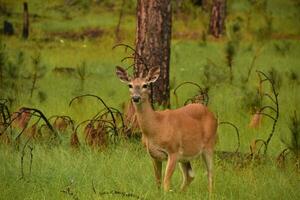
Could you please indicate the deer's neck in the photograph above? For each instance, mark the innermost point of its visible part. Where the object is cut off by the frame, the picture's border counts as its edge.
(147, 118)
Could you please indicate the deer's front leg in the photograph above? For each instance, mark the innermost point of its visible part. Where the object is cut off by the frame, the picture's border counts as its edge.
(157, 171)
(171, 164)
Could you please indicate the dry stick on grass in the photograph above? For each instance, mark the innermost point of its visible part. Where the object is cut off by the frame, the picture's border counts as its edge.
(66, 117)
(108, 108)
(123, 194)
(31, 159)
(280, 160)
(5, 114)
(4, 110)
(22, 158)
(118, 38)
(70, 193)
(274, 100)
(237, 134)
(101, 117)
(252, 64)
(16, 118)
(202, 91)
(39, 114)
(253, 147)
(104, 112)
(62, 122)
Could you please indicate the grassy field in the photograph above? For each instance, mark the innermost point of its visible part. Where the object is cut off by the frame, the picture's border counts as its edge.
(267, 33)
(126, 168)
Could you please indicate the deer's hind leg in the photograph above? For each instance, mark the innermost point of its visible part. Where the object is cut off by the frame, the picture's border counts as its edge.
(171, 164)
(157, 165)
(208, 159)
(187, 174)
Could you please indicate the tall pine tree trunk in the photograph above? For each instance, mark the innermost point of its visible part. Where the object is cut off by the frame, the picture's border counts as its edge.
(217, 18)
(153, 38)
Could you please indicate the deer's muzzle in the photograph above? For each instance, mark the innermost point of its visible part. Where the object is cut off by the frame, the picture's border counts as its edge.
(136, 99)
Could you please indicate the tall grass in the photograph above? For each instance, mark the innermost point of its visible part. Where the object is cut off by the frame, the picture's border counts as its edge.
(126, 168)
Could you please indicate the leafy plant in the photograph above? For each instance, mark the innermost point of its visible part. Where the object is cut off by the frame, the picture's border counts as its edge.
(292, 141)
(282, 48)
(37, 72)
(275, 76)
(10, 74)
(230, 52)
(82, 74)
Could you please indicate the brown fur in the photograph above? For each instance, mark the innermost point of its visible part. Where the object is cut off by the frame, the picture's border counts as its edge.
(177, 136)
(130, 120)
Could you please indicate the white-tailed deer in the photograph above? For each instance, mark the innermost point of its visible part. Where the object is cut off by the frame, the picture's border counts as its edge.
(177, 136)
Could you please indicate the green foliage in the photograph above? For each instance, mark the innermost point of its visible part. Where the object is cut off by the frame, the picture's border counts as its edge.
(195, 56)
(251, 99)
(282, 48)
(213, 74)
(292, 140)
(60, 173)
(10, 74)
(276, 77)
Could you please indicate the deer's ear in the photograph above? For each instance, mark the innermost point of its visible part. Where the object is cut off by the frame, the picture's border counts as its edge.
(153, 74)
(122, 74)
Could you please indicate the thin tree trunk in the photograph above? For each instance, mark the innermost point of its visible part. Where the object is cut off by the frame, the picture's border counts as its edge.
(217, 18)
(153, 38)
(25, 21)
(118, 38)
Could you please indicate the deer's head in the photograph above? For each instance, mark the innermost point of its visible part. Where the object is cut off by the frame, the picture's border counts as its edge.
(138, 87)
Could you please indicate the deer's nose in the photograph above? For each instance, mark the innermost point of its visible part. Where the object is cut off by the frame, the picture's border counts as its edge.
(136, 99)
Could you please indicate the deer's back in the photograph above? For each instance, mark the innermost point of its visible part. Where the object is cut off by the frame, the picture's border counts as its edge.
(189, 129)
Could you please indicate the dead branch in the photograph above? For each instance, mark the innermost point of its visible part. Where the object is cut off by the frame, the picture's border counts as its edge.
(274, 99)
(203, 92)
(31, 159)
(267, 107)
(267, 115)
(22, 158)
(136, 56)
(237, 134)
(107, 107)
(253, 146)
(123, 194)
(280, 160)
(43, 117)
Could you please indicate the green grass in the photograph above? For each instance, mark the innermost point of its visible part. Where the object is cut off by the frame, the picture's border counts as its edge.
(126, 167)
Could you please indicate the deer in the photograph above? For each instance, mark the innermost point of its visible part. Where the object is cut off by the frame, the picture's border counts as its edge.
(175, 136)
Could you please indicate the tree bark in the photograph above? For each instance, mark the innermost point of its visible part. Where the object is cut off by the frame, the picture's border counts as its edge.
(217, 18)
(153, 39)
(25, 21)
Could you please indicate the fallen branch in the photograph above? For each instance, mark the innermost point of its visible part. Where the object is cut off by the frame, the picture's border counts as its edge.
(107, 107)
(237, 134)
(123, 194)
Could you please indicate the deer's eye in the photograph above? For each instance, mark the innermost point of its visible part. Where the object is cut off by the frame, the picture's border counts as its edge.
(145, 86)
(129, 85)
